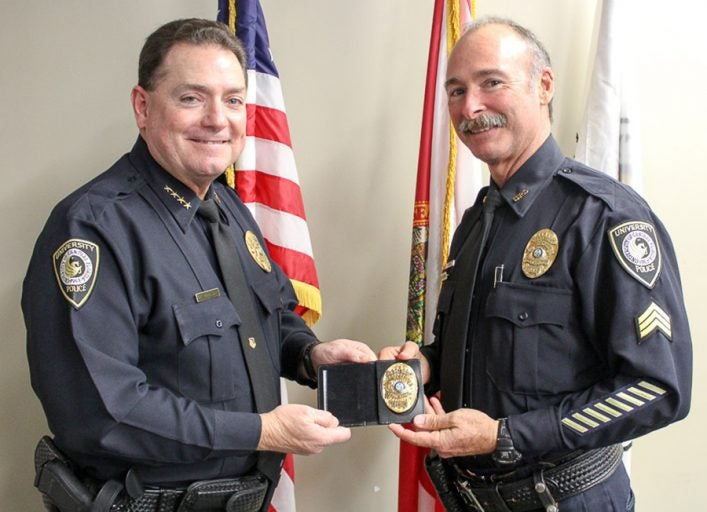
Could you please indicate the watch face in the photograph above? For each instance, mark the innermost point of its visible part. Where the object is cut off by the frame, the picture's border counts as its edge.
(506, 457)
(505, 452)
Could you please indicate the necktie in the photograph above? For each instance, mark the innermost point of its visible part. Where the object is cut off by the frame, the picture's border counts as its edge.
(260, 369)
(263, 381)
(452, 376)
(491, 202)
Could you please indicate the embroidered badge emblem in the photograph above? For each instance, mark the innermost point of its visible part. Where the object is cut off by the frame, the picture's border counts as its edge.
(636, 246)
(256, 251)
(653, 319)
(76, 267)
(540, 253)
(399, 387)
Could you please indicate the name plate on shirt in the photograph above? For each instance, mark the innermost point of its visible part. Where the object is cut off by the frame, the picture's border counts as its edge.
(375, 393)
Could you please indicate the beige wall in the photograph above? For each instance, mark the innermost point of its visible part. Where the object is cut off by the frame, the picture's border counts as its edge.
(352, 74)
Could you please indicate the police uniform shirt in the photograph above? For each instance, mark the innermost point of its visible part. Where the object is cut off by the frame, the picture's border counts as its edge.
(132, 341)
(578, 330)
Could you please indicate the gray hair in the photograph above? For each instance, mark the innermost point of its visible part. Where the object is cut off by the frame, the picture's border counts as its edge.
(540, 56)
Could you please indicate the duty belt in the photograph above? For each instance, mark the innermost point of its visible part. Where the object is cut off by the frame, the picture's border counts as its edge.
(543, 488)
(62, 489)
(244, 494)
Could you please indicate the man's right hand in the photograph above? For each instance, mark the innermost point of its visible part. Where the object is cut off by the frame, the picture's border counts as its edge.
(410, 350)
(300, 429)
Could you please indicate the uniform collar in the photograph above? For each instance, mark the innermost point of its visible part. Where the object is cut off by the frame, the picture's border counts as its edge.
(179, 199)
(526, 184)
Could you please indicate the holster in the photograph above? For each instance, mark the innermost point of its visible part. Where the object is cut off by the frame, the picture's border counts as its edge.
(245, 494)
(443, 481)
(55, 478)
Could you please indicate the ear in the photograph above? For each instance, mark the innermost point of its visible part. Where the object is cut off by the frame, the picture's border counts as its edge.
(547, 86)
(140, 100)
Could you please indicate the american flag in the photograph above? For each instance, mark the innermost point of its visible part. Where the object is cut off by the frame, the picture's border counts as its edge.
(266, 180)
(266, 174)
(448, 179)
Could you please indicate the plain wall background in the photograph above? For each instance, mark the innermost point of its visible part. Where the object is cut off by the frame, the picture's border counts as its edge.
(353, 81)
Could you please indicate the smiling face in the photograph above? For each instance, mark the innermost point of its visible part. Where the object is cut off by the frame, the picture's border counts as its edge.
(194, 118)
(497, 105)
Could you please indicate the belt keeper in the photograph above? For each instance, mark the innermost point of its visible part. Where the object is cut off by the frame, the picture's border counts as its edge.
(543, 492)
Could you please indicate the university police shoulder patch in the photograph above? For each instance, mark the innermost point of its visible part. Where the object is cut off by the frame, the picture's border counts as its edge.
(636, 246)
(76, 267)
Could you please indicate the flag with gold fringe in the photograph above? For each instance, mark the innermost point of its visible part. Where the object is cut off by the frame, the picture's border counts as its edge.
(265, 174)
(266, 179)
(448, 179)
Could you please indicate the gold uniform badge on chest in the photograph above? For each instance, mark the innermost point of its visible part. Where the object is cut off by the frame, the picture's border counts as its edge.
(540, 253)
(256, 251)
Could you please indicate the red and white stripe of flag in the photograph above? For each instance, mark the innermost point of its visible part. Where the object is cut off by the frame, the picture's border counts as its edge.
(415, 491)
(267, 182)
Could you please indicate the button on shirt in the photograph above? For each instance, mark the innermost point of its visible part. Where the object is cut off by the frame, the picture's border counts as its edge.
(143, 374)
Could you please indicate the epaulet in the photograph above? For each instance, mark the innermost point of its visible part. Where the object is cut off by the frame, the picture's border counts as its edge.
(112, 185)
(594, 183)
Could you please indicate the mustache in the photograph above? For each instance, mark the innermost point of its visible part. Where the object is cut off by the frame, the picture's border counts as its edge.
(482, 123)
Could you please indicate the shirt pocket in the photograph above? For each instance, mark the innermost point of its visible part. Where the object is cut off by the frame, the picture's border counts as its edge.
(210, 358)
(267, 292)
(529, 343)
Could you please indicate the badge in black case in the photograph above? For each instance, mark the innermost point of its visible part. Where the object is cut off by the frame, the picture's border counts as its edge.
(376, 393)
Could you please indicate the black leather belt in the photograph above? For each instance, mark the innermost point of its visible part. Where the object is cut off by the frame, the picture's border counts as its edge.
(546, 485)
(244, 494)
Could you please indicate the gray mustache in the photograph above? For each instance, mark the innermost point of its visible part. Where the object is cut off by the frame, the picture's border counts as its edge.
(481, 123)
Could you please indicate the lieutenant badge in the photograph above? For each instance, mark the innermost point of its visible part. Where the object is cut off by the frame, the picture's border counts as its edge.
(256, 251)
(76, 267)
(540, 253)
(635, 244)
(399, 387)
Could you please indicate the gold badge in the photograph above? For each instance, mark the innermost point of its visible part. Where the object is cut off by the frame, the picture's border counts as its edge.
(256, 251)
(76, 267)
(399, 387)
(540, 253)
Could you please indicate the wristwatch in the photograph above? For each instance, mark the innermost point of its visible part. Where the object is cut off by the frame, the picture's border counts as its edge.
(307, 361)
(505, 453)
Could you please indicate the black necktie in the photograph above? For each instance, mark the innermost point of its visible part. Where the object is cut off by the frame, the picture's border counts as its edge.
(263, 381)
(260, 368)
(468, 260)
(491, 202)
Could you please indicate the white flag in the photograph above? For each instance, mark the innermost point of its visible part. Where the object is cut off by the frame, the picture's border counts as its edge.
(608, 139)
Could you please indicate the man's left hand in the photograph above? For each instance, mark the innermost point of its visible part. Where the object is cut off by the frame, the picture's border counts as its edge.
(459, 433)
(341, 351)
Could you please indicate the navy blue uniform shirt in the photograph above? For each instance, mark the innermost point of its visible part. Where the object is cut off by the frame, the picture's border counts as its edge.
(578, 331)
(131, 369)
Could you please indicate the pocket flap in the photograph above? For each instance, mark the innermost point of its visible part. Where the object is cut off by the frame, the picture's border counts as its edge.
(525, 306)
(268, 293)
(209, 318)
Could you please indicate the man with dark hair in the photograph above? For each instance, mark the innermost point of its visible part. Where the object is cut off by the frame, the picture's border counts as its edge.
(561, 330)
(157, 325)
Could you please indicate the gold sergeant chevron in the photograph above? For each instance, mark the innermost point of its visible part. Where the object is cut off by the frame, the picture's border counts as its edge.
(653, 319)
